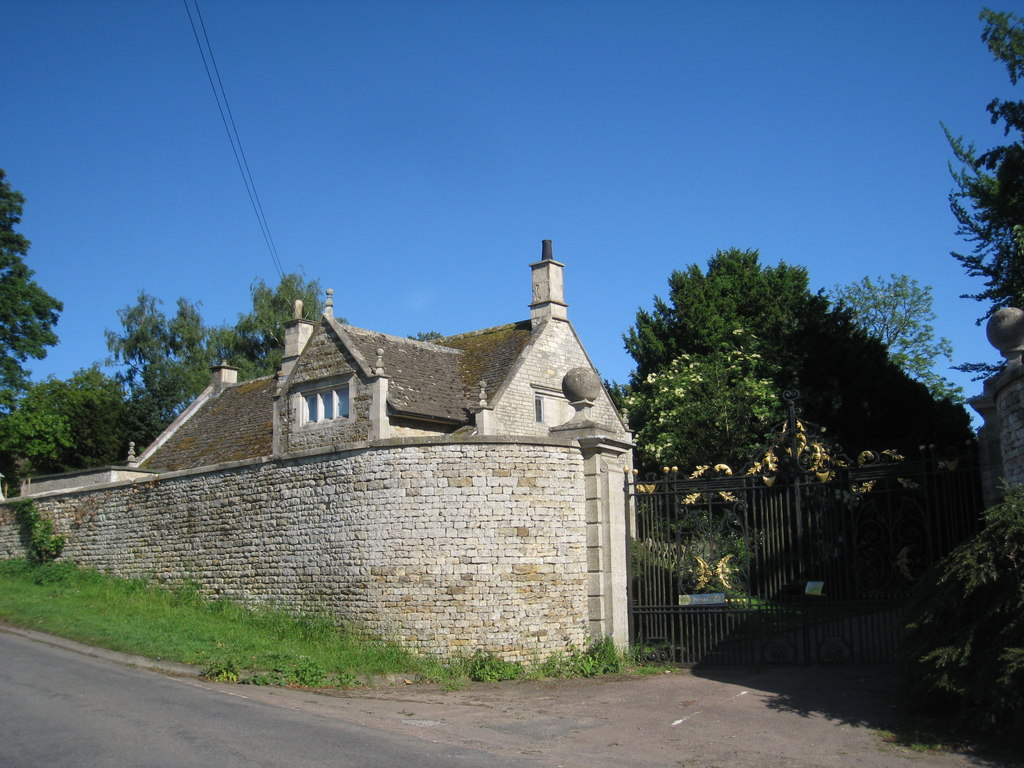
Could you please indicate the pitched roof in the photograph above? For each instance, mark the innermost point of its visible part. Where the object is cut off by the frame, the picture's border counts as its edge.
(236, 424)
(439, 379)
(423, 378)
(488, 354)
(434, 380)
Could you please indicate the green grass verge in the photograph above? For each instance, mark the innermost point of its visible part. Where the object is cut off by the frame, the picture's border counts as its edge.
(232, 642)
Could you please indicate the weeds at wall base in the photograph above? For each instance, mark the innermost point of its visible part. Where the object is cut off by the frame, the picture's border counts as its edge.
(37, 533)
(601, 657)
(257, 646)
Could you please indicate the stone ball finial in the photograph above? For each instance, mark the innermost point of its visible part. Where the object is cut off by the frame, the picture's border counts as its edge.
(1005, 331)
(581, 384)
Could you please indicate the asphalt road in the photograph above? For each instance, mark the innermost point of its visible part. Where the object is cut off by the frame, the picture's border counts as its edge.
(59, 708)
(65, 704)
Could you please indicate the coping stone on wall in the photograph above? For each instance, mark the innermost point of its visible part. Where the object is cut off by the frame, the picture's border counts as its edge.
(346, 448)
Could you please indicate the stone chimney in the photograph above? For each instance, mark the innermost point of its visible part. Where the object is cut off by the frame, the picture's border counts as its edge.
(548, 290)
(296, 333)
(223, 374)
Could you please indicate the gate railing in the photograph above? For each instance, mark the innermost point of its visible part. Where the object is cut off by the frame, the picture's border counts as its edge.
(804, 556)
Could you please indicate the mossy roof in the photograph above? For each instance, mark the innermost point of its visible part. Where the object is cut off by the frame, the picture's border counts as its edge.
(436, 380)
(439, 379)
(237, 423)
(488, 355)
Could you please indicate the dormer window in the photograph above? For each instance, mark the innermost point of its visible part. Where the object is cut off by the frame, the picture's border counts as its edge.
(325, 405)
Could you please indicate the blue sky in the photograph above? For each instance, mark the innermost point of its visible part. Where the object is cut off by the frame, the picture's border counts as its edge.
(412, 155)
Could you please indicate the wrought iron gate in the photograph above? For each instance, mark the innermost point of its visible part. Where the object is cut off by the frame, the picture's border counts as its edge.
(805, 557)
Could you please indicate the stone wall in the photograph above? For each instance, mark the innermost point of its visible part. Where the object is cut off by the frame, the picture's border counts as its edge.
(443, 544)
(550, 353)
(1001, 438)
(1004, 396)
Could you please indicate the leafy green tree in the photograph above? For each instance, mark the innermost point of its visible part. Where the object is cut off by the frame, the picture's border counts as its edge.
(699, 406)
(255, 345)
(64, 425)
(427, 336)
(898, 312)
(165, 359)
(28, 314)
(791, 339)
(164, 362)
(988, 199)
(704, 308)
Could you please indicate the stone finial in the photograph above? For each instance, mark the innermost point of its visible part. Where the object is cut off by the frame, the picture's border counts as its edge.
(581, 388)
(131, 452)
(329, 306)
(1005, 331)
(484, 413)
(581, 385)
(297, 310)
(378, 367)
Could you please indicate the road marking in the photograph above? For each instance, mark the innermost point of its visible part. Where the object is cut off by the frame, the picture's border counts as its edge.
(683, 720)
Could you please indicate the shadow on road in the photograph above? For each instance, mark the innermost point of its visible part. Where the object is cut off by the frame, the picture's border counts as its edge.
(866, 697)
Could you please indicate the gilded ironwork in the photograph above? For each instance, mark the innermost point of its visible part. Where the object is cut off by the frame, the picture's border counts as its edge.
(803, 555)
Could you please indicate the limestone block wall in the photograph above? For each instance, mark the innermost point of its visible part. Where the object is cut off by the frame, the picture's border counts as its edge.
(444, 544)
(1009, 401)
(1002, 406)
(553, 352)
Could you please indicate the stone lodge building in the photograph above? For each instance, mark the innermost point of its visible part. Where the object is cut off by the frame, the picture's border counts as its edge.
(459, 494)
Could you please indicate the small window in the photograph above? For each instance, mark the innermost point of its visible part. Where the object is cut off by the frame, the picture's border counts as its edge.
(538, 408)
(326, 405)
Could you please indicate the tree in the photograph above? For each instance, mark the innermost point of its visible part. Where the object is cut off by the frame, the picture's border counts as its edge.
(255, 345)
(28, 314)
(700, 406)
(705, 308)
(964, 653)
(427, 336)
(165, 362)
(732, 337)
(64, 425)
(988, 199)
(898, 312)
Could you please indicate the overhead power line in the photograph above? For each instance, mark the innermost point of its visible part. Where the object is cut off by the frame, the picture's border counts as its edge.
(221, 97)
